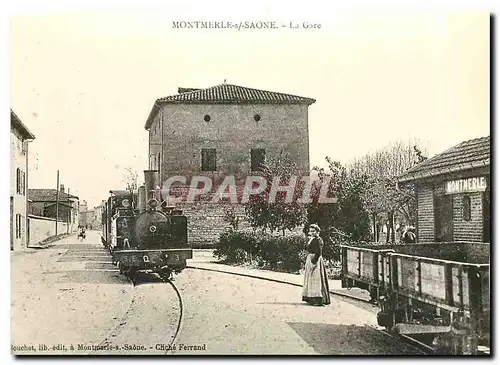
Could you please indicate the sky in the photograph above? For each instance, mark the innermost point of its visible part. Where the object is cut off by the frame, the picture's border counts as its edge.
(84, 83)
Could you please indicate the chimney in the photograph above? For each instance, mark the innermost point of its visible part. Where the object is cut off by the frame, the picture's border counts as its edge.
(182, 90)
(151, 181)
(61, 188)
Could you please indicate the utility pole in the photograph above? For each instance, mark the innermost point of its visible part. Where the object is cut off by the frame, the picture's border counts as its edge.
(57, 201)
(68, 216)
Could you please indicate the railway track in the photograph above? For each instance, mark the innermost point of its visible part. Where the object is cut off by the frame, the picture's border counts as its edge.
(181, 317)
(151, 323)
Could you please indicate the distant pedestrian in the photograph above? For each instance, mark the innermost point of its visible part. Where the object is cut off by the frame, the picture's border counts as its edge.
(315, 290)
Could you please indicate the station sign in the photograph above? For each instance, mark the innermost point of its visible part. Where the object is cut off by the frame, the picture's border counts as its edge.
(470, 185)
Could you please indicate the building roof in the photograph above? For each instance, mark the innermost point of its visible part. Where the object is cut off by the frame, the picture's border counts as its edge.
(120, 192)
(183, 90)
(60, 203)
(226, 94)
(48, 195)
(464, 156)
(15, 123)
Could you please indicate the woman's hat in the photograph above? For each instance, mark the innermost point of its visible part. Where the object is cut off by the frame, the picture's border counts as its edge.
(315, 226)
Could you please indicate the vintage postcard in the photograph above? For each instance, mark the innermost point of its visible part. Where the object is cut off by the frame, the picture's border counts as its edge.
(267, 181)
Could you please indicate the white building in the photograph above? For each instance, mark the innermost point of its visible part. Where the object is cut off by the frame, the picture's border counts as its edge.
(20, 136)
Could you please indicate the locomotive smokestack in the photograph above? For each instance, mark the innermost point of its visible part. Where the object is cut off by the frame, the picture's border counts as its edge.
(151, 181)
(141, 198)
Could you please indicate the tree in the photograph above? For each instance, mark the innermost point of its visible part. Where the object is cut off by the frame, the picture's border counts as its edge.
(346, 219)
(383, 199)
(278, 215)
(131, 179)
(231, 217)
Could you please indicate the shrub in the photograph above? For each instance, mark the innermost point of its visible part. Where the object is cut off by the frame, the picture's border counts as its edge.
(231, 247)
(290, 249)
(275, 252)
(331, 249)
(269, 250)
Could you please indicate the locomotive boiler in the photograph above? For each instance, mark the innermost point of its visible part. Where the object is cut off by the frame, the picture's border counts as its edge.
(144, 234)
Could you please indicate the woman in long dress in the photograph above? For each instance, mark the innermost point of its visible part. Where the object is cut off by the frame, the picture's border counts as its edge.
(315, 291)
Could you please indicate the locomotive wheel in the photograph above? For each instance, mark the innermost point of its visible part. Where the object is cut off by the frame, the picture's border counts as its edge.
(132, 274)
(166, 274)
(120, 267)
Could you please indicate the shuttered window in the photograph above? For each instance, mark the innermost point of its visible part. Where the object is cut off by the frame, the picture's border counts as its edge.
(18, 225)
(466, 207)
(18, 181)
(23, 183)
(208, 159)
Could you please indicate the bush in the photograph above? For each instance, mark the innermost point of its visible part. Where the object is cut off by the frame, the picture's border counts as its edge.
(275, 252)
(232, 247)
(331, 249)
(290, 249)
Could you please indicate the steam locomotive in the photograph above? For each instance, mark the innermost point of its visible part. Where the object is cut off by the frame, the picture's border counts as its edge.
(143, 233)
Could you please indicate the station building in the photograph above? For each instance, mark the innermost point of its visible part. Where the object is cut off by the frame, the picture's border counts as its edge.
(224, 130)
(453, 193)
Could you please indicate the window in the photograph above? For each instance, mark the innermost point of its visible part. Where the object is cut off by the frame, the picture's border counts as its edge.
(208, 159)
(207, 118)
(466, 208)
(256, 117)
(23, 181)
(18, 225)
(18, 181)
(258, 158)
(158, 162)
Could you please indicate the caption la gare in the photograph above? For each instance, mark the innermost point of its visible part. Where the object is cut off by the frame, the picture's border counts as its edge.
(198, 24)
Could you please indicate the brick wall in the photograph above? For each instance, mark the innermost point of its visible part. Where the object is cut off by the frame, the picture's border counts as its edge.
(471, 231)
(232, 131)
(206, 221)
(425, 213)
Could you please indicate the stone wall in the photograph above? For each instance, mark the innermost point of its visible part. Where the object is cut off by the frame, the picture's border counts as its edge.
(41, 228)
(206, 221)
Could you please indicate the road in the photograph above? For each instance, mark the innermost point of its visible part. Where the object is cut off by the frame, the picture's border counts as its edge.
(70, 294)
(237, 315)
